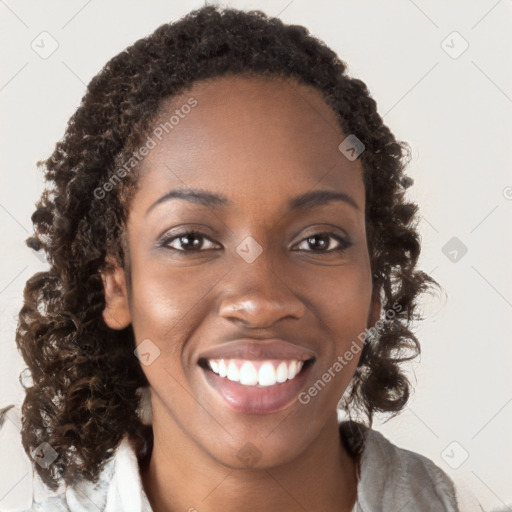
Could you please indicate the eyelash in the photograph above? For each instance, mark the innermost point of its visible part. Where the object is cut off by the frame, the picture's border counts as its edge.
(344, 243)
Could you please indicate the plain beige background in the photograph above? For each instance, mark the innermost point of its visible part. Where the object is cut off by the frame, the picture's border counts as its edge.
(440, 73)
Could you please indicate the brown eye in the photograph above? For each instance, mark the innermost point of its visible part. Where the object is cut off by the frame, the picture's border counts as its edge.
(323, 242)
(188, 241)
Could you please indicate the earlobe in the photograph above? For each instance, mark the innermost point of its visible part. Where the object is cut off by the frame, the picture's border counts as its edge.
(117, 312)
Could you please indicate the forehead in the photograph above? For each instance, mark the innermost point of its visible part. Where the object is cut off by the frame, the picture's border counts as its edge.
(248, 136)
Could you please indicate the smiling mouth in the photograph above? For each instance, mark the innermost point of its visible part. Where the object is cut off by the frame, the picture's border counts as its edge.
(261, 386)
(255, 373)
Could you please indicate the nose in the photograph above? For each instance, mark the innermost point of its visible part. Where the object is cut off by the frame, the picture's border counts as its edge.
(257, 295)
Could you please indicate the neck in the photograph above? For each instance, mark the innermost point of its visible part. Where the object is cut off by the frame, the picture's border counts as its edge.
(182, 477)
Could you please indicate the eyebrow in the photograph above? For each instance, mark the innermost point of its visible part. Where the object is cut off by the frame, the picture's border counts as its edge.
(304, 201)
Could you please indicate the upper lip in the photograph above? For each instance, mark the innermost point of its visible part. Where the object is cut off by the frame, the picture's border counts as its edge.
(253, 350)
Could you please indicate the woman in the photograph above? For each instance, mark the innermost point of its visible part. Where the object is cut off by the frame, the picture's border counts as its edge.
(231, 253)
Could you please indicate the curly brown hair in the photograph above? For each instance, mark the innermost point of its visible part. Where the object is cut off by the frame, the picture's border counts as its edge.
(83, 396)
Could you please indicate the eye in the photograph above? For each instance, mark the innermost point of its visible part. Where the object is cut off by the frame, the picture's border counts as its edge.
(190, 241)
(194, 241)
(321, 242)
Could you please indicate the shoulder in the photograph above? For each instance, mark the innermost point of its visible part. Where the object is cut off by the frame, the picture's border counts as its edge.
(393, 478)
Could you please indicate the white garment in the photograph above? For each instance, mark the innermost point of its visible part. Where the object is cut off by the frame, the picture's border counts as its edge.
(391, 479)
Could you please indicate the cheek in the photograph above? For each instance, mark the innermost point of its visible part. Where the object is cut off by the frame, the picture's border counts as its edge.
(342, 300)
(167, 303)
(167, 306)
(351, 308)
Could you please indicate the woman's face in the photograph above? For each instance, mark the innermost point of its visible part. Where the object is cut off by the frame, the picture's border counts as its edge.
(276, 278)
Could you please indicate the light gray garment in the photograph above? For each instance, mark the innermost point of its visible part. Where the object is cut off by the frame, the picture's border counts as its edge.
(395, 479)
(390, 479)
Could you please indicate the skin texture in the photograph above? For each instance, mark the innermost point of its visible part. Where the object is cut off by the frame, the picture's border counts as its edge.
(259, 142)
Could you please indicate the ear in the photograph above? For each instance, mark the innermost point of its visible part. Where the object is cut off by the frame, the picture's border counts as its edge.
(117, 313)
(375, 308)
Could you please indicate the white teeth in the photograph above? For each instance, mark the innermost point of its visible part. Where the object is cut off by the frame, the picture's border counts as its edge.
(248, 375)
(233, 372)
(292, 370)
(223, 371)
(267, 375)
(282, 372)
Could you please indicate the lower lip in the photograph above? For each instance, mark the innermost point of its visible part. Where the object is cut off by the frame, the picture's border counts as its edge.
(257, 399)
